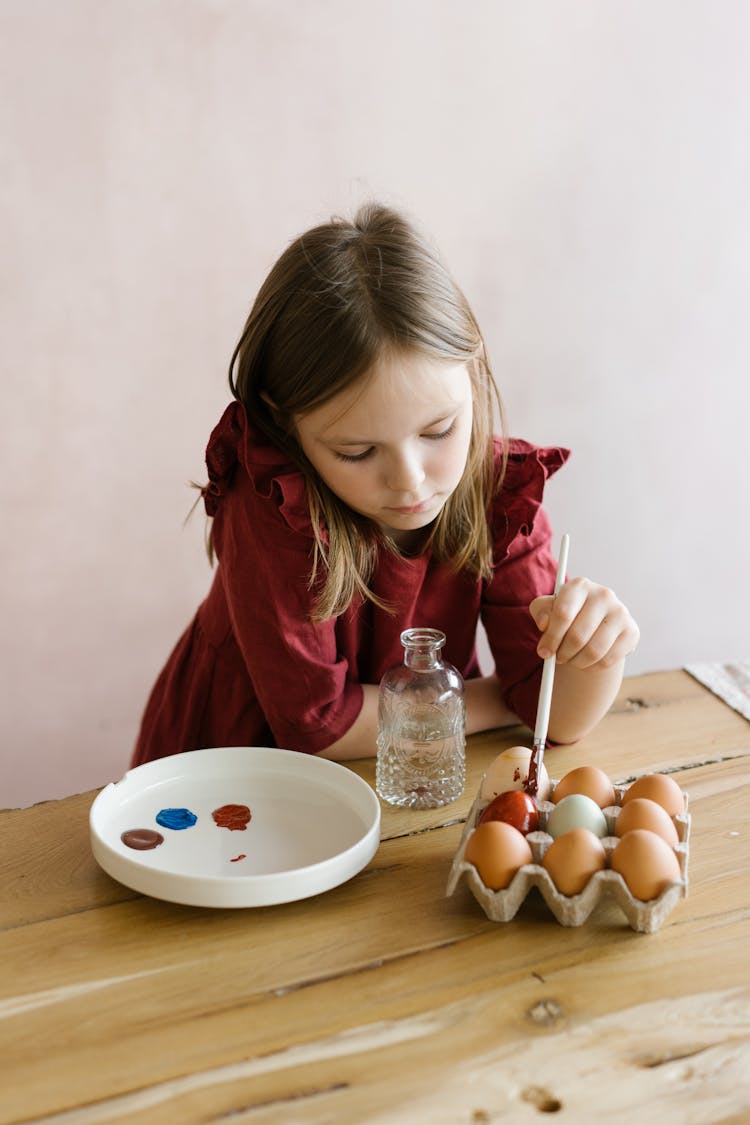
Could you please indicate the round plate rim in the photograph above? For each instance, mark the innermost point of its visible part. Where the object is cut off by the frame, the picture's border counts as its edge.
(258, 889)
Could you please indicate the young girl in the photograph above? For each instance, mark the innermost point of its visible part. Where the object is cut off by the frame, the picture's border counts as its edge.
(356, 490)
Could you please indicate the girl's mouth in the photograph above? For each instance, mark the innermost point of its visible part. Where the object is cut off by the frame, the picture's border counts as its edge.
(414, 509)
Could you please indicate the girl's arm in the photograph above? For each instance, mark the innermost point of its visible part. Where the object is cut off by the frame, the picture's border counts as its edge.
(590, 632)
(485, 710)
(588, 629)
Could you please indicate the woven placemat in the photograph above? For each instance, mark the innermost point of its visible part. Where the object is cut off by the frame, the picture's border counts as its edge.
(731, 682)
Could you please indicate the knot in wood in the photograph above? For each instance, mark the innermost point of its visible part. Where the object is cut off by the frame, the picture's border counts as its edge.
(546, 1013)
(541, 1099)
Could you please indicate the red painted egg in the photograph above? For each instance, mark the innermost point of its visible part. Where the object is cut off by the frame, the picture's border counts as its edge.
(513, 807)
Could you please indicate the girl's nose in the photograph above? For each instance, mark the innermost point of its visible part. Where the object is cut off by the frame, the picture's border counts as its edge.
(405, 472)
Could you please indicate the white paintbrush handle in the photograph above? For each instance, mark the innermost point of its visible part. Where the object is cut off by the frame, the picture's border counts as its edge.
(548, 672)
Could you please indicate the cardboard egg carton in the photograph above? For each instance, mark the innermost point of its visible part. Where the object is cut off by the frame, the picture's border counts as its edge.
(571, 910)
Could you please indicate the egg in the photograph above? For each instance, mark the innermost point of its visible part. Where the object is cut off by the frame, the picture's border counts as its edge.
(643, 813)
(497, 850)
(514, 807)
(576, 811)
(573, 858)
(646, 862)
(510, 770)
(660, 788)
(588, 780)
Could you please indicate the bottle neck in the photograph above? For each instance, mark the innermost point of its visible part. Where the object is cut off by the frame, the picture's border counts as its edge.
(422, 648)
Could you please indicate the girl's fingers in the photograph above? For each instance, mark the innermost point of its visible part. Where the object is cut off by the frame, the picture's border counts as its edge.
(587, 625)
(540, 610)
(603, 647)
(564, 611)
(591, 633)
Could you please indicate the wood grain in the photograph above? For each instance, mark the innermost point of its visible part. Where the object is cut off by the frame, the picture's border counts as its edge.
(384, 1000)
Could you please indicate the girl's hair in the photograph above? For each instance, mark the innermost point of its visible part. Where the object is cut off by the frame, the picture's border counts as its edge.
(336, 298)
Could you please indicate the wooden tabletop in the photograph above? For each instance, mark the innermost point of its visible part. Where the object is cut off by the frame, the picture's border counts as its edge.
(383, 1000)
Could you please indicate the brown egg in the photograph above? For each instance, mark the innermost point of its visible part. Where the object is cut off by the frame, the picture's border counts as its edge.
(497, 850)
(643, 813)
(646, 862)
(573, 858)
(660, 788)
(588, 780)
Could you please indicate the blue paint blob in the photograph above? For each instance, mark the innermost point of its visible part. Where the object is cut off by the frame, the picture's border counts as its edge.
(176, 819)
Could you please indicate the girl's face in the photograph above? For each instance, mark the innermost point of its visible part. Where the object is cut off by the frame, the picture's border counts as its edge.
(394, 446)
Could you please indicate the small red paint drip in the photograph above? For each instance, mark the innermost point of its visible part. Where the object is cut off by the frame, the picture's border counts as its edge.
(238, 857)
(516, 774)
(234, 817)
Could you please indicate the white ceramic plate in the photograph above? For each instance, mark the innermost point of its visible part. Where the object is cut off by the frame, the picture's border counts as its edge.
(314, 824)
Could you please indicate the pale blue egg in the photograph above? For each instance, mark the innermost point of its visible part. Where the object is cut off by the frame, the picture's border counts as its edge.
(576, 811)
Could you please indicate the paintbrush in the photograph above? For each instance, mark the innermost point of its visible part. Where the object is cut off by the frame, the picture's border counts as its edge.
(545, 691)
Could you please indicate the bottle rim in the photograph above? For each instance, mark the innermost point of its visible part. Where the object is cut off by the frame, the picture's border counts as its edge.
(423, 638)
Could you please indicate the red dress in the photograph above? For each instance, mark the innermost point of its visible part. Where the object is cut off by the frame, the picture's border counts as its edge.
(253, 670)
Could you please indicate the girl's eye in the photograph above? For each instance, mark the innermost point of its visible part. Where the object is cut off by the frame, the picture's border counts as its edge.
(352, 456)
(443, 433)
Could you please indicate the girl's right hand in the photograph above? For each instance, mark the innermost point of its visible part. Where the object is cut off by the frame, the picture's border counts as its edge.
(584, 626)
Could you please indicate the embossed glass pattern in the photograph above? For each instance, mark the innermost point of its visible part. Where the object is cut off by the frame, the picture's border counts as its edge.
(421, 760)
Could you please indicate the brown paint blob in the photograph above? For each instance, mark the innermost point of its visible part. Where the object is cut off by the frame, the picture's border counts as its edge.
(142, 839)
(238, 857)
(234, 817)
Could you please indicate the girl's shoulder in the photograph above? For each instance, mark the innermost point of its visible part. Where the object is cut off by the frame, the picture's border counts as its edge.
(518, 493)
(241, 460)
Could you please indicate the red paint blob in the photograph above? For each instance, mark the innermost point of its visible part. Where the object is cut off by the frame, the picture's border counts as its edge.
(237, 857)
(234, 817)
(514, 807)
(142, 839)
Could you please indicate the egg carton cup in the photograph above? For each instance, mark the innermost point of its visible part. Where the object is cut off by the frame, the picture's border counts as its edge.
(571, 910)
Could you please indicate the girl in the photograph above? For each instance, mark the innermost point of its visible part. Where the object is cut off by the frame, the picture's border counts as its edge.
(356, 490)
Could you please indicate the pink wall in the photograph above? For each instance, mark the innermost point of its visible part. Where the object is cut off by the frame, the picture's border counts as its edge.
(584, 168)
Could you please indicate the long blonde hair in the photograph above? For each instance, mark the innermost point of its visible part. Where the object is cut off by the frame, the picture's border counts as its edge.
(337, 296)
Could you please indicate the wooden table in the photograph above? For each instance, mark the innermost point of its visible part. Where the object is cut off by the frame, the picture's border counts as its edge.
(384, 1000)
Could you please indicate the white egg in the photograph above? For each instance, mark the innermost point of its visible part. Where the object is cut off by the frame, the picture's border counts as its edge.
(510, 770)
(576, 811)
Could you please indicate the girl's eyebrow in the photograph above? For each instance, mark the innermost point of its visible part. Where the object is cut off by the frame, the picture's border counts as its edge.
(333, 440)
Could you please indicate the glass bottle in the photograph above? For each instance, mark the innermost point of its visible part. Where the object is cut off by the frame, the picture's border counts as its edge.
(421, 760)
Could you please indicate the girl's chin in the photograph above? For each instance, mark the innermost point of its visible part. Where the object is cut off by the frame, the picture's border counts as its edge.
(410, 534)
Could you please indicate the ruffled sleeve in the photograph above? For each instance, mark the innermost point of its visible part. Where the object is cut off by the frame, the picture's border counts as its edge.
(222, 456)
(524, 568)
(519, 499)
(271, 474)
